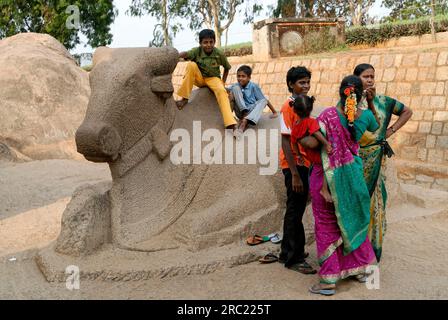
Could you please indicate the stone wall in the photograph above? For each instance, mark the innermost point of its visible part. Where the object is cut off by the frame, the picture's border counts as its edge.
(418, 78)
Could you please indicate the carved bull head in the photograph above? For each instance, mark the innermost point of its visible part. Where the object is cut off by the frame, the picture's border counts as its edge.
(130, 90)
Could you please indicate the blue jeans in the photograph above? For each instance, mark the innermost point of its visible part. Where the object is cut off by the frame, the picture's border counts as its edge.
(254, 110)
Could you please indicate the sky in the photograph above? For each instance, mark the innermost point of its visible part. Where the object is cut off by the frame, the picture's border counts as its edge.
(130, 31)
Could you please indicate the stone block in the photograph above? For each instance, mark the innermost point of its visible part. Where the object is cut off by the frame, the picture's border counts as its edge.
(428, 88)
(437, 128)
(427, 59)
(435, 156)
(442, 142)
(428, 116)
(389, 75)
(443, 58)
(422, 154)
(442, 73)
(430, 141)
(409, 153)
(410, 60)
(411, 74)
(424, 127)
(441, 116)
(438, 102)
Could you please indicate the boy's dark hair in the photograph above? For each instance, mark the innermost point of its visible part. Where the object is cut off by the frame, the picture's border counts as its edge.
(246, 69)
(360, 68)
(206, 34)
(296, 73)
(303, 104)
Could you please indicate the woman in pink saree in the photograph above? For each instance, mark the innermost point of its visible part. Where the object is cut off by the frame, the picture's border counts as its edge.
(341, 226)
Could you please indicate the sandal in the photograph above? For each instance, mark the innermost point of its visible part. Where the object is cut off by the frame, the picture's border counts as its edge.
(305, 255)
(275, 238)
(317, 289)
(269, 258)
(303, 267)
(256, 239)
(362, 278)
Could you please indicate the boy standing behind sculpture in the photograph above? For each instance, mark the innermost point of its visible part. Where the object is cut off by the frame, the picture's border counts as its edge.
(203, 70)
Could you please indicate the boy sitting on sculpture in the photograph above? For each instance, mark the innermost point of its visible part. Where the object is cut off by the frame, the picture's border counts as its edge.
(248, 98)
(203, 70)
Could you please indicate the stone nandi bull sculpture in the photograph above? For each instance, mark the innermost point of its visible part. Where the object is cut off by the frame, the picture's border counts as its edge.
(154, 205)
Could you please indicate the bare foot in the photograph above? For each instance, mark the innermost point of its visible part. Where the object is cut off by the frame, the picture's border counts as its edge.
(181, 103)
(327, 196)
(243, 125)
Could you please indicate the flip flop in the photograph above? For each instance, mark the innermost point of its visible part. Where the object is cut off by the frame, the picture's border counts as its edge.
(256, 239)
(275, 238)
(269, 258)
(324, 292)
(362, 278)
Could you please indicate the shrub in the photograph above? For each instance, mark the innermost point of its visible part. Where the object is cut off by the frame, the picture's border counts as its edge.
(372, 35)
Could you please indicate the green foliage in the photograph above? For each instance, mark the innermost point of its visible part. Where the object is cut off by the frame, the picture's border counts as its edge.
(238, 45)
(50, 16)
(375, 34)
(238, 49)
(320, 41)
(412, 9)
(205, 12)
(354, 11)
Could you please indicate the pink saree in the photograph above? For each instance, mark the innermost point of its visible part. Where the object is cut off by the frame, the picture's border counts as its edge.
(343, 247)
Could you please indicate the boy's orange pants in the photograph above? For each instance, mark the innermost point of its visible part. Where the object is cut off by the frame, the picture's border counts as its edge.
(193, 76)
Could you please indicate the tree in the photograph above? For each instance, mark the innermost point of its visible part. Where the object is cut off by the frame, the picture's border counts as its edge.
(165, 11)
(412, 9)
(220, 14)
(356, 11)
(359, 11)
(51, 16)
(213, 14)
(286, 9)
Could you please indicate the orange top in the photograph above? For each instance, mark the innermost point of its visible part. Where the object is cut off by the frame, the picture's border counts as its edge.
(287, 119)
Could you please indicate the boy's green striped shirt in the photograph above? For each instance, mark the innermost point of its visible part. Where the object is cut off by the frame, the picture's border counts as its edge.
(209, 64)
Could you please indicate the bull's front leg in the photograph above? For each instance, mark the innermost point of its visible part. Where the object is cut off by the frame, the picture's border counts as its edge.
(86, 221)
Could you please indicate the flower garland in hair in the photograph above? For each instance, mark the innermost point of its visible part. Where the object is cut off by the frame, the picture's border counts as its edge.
(350, 104)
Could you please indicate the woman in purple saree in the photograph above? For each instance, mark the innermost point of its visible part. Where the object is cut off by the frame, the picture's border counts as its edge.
(341, 227)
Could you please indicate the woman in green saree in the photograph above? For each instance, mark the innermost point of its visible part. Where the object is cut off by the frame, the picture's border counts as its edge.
(373, 149)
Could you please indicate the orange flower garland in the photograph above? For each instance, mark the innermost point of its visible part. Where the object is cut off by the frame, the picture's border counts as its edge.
(350, 104)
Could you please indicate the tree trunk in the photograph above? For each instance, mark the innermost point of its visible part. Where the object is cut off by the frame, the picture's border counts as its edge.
(431, 21)
(355, 12)
(289, 8)
(215, 6)
(309, 4)
(166, 35)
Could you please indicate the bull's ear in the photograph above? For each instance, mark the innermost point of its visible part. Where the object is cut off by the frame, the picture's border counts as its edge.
(161, 61)
(101, 54)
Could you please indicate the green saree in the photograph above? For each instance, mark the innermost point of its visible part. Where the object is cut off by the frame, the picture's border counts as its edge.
(372, 153)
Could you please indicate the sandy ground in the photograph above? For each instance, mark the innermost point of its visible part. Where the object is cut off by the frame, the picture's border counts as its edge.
(33, 196)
